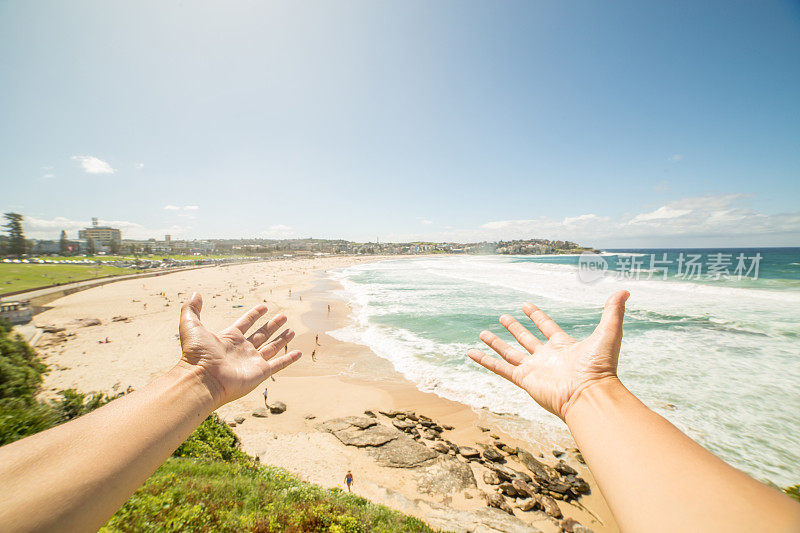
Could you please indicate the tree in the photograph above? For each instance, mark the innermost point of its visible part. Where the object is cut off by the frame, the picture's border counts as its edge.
(63, 243)
(16, 245)
(114, 246)
(91, 247)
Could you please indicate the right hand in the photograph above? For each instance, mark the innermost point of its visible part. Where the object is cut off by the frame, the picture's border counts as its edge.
(230, 364)
(555, 372)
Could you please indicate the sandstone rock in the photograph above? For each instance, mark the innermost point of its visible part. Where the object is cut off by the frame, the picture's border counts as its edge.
(403, 425)
(529, 504)
(239, 419)
(428, 434)
(86, 322)
(360, 431)
(403, 452)
(447, 427)
(508, 449)
(525, 489)
(502, 471)
(497, 501)
(540, 471)
(490, 454)
(232, 424)
(426, 423)
(445, 476)
(411, 415)
(490, 477)
(581, 486)
(370, 414)
(563, 468)
(558, 453)
(568, 525)
(560, 488)
(389, 414)
(483, 429)
(441, 447)
(549, 505)
(469, 453)
(508, 489)
(261, 412)
(277, 408)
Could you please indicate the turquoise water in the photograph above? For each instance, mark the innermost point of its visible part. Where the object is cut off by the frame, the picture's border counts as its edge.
(718, 358)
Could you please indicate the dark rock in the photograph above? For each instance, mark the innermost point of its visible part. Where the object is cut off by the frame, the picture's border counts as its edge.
(261, 412)
(232, 424)
(579, 457)
(525, 489)
(508, 489)
(508, 449)
(423, 417)
(502, 471)
(540, 471)
(560, 488)
(277, 408)
(411, 415)
(483, 429)
(490, 454)
(469, 453)
(120, 319)
(558, 453)
(447, 427)
(522, 475)
(581, 486)
(563, 468)
(428, 434)
(497, 501)
(370, 414)
(441, 447)
(490, 477)
(426, 423)
(568, 525)
(239, 419)
(549, 505)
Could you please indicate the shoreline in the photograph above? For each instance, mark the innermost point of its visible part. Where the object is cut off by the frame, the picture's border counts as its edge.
(345, 380)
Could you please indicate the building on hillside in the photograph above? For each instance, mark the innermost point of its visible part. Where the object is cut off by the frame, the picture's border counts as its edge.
(102, 235)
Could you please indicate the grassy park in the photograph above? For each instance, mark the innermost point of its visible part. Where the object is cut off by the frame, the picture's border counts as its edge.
(22, 276)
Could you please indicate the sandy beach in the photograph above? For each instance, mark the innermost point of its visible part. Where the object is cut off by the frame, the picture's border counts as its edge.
(139, 320)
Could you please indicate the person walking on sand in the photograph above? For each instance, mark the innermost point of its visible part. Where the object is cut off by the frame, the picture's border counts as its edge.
(265, 397)
(348, 479)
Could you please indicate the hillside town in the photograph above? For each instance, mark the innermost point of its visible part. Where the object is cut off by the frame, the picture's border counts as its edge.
(99, 240)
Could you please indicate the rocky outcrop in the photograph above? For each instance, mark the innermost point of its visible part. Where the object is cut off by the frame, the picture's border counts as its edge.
(277, 408)
(445, 476)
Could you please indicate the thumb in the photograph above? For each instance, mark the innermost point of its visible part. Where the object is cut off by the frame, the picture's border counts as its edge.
(610, 326)
(190, 313)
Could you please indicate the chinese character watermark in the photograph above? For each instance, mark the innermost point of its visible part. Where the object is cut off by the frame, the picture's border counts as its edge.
(685, 266)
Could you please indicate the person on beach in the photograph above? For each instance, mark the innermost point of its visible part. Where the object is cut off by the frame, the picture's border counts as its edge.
(74, 476)
(653, 477)
(348, 479)
(265, 396)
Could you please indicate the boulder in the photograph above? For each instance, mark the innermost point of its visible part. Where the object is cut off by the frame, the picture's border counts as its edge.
(370, 414)
(549, 505)
(558, 453)
(540, 471)
(508, 449)
(529, 504)
(563, 468)
(469, 453)
(503, 472)
(560, 488)
(490, 477)
(411, 415)
(490, 454)
(525, 489)
(277, 408)
(239, 419)
(390, 414)
(261, 412)
(86, 322)
(581, 486)
(403, 425)
(447, 427)
(441, 447)
(508, 489)
(497, 501)
(428, 434)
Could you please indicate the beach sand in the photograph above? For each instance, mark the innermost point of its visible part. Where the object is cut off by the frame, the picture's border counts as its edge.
(346, 379)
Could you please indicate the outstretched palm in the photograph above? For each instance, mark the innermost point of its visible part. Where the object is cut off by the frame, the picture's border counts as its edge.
(232, 363)
(555, 372)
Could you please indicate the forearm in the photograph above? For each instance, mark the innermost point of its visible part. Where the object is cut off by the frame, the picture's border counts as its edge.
(73, 477)
(644, 465)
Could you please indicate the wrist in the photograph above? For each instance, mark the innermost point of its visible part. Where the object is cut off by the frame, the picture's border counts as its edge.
(197, 384)
(594, 394)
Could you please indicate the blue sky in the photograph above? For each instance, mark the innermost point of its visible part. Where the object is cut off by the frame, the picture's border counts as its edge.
(632, 124)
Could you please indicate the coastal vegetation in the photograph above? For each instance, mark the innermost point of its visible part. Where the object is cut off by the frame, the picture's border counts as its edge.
(208, 485)
(23, 276)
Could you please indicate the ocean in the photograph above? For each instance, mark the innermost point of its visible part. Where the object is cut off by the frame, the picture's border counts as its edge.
(714, 349)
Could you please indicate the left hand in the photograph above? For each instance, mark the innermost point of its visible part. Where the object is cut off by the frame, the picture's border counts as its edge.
(230, 364)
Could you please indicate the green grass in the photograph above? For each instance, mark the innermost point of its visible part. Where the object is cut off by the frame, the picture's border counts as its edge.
(22, 276)
(200, 495)
(143, 257)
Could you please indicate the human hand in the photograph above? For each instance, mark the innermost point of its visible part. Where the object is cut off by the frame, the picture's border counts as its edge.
(230, 364)
(555, 373)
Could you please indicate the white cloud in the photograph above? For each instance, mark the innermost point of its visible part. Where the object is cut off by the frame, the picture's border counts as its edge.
(93, 165)
(48, 176)
(139, 165)
(676, 157)
(278, 231)
(43, 228)
(426, 222)
(665, 212)
(190, 208)
(171, 208)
